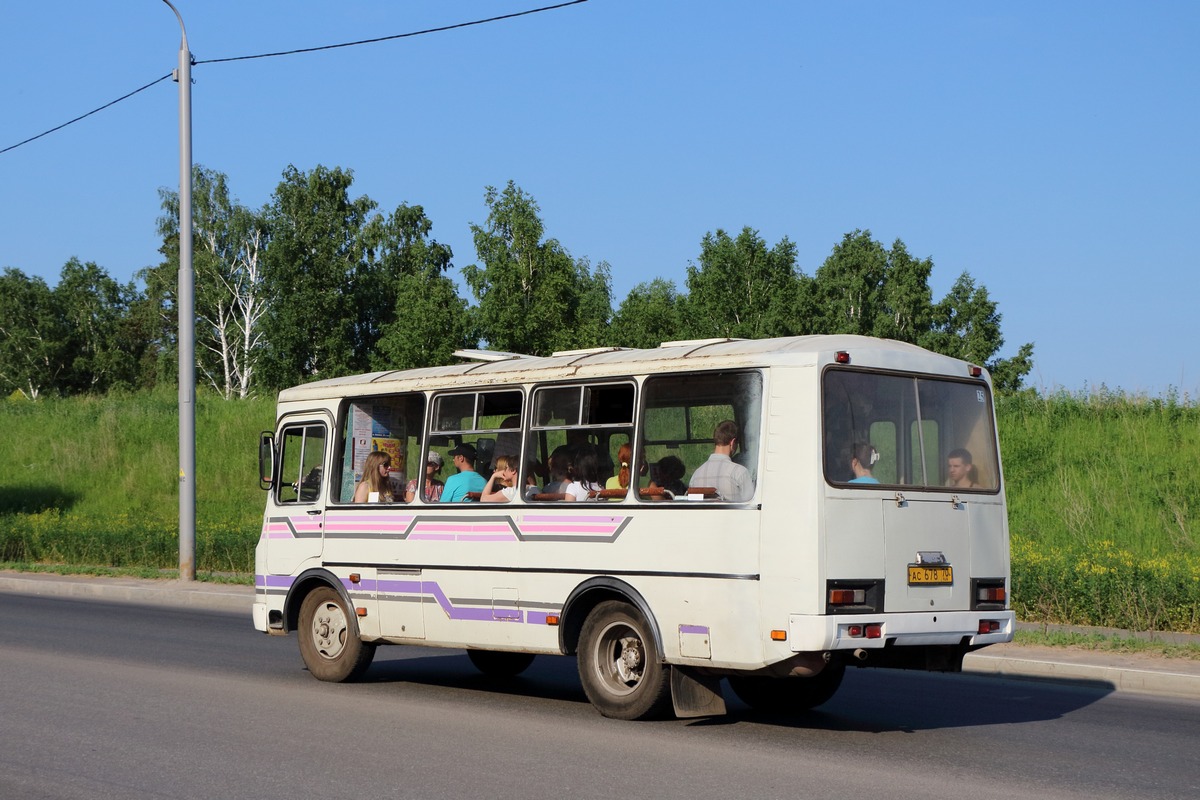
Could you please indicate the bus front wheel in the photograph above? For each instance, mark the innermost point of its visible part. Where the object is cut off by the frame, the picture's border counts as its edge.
(619, 665)
(329, 642)
(788, 695)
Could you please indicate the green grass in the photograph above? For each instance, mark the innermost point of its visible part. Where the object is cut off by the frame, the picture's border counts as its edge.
(94, 481)
(1106, 467)
(1107, 643)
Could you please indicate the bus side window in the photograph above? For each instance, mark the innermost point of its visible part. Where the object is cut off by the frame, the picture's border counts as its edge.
(679, 423)
(387, 423)
(578, 431)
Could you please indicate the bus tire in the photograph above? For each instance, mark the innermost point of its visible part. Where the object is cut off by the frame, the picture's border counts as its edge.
(788, 695)
(500, 664)
(619, 665)
(329, 642)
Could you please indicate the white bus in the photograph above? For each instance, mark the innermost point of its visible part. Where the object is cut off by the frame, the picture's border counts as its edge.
(871, 529)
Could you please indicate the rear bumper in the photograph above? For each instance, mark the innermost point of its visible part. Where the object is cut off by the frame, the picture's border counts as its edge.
(922, 629)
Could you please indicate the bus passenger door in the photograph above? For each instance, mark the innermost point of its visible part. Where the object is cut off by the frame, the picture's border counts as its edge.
(296, 511)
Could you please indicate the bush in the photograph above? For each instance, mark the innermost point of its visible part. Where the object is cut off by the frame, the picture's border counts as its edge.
(1106, 586)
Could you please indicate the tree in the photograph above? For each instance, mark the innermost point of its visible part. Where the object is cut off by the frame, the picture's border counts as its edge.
(323, 311)
(742, 289)
(533, 297)
(33, 335)
(228, 245)
(966, 325)
(650, 315)
(907, 300)
(94, 308)
(429, 321)
(848, 287)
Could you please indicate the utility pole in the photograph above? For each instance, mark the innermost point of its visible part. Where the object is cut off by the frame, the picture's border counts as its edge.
(186, 306)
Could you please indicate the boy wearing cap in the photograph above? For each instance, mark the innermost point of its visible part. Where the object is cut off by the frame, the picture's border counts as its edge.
(467, 479)
(432, 492)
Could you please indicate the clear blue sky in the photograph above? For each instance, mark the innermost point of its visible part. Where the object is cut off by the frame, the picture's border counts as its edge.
(1050, 149)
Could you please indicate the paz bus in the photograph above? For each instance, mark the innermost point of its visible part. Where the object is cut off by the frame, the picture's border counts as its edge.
(825, 562)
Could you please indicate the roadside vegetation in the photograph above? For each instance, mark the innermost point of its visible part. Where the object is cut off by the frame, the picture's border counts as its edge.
(1102, 495)
(1103, 509)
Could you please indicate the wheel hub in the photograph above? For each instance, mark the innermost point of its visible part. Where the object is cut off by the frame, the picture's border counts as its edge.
(629, 662)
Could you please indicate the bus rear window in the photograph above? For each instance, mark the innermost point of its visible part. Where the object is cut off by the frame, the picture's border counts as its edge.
(899, 430)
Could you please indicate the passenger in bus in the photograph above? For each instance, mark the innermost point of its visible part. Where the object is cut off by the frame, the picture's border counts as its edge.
(668, 474)
(376, 484)
(731, 480)
(562, 462)
(960, 471)
(466, 480)
(502, 485)
(508, 440)
(433, 487)
(622, 478)
(585, 475)
(862, 460)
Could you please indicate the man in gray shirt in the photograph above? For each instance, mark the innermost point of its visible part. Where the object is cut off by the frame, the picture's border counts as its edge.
(731, 480)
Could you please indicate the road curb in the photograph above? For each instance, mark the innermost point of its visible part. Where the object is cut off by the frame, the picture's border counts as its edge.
(170, 593)
(1130, 679)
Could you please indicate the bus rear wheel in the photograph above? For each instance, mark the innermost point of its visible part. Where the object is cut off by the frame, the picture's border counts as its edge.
(619, 665)
(788, 695)
(500, 664)
(329, 642)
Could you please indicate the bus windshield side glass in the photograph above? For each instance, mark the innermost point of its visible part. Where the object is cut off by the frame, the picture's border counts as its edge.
(896, 430)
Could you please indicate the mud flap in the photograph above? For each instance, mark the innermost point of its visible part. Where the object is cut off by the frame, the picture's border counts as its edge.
(696, 695)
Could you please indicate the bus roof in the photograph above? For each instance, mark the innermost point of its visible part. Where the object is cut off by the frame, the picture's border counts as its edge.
(489, 367)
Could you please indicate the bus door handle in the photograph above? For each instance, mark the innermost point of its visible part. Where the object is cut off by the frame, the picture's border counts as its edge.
(312, 512)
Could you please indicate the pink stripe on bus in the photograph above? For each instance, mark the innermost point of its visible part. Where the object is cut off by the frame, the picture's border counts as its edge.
(568, 528)
(593, 520)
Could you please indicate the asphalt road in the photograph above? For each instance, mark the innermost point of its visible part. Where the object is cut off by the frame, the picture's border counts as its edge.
(103, 700)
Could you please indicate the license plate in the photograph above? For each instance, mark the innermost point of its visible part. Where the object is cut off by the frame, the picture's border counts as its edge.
(925, 575)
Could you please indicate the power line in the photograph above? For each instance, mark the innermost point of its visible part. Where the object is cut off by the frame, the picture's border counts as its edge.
(441, 29)
(395, 36)
(88, 114)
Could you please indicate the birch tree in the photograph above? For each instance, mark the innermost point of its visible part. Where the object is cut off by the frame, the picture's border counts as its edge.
(228, 245)
(33, 346)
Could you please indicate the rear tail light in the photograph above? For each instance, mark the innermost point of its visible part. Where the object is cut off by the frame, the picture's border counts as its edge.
(989, 625)
(870, 630)
(847, 597)
(853, 596)
(989, 594)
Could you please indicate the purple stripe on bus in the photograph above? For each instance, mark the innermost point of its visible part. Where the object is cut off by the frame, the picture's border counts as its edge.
(420, 588)
(693, 629)
(465, 613)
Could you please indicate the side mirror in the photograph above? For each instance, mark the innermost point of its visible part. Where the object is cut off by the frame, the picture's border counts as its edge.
(266, 460)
